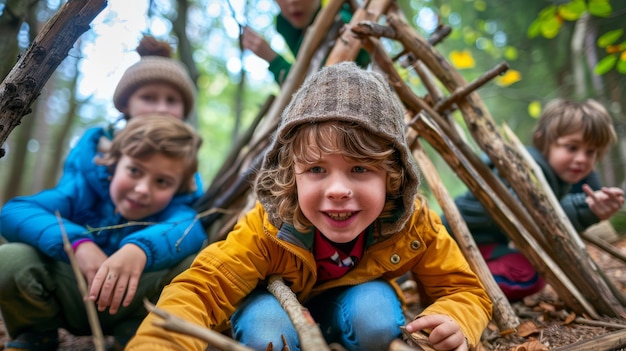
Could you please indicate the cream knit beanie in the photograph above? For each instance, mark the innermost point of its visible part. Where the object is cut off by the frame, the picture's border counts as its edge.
(345, 92)
(155, 65)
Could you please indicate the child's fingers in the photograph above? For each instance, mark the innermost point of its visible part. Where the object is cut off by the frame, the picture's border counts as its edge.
(587, 189)
(613, 192)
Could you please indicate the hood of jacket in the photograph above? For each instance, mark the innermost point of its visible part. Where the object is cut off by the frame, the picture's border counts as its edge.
(344, 92)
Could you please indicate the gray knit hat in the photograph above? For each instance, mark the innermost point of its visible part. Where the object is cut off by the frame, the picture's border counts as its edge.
(155, 66)
(345, 92)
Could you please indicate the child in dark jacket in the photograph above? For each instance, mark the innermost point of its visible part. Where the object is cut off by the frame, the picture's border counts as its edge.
(129, 223)
(569, 138)
(294, 18)
(338, 219)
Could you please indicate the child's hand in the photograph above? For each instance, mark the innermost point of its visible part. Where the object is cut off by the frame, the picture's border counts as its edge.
(89, 258)
(445, 332)
(605, 202)
(118, 278)
(253, 42)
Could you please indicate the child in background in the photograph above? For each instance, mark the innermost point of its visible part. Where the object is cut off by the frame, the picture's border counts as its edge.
(128, 226)
(568, 140)
(294, 18)
(338, 219)
(155, 84)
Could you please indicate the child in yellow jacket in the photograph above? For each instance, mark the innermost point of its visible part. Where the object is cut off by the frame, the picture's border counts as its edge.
(338, 219)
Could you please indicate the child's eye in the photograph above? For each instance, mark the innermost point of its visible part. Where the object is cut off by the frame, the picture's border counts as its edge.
(316, 169)
(164, 183)
(359, 169)
(570, 147)
(172, 100)
(148, 97)
(132, 170)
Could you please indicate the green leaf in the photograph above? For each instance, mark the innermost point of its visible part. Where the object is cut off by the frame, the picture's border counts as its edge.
(547, 13)
(621, 66)
(534, 109)
(600, 8)
(480, 5)
(551, 28)
(605, 65)
(572, 10)
(510, 53)
(609, 38)
(535, 28)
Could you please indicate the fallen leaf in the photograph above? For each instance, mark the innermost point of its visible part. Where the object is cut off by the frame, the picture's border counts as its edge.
(527, 328)
(570, 318)
(533, 345)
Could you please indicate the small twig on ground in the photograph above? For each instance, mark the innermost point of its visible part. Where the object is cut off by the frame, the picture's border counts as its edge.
(92, 313)
(419, 339)
(175, 324)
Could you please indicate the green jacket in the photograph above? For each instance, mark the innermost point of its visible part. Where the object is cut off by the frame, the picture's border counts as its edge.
(280, 67)
(225, 272)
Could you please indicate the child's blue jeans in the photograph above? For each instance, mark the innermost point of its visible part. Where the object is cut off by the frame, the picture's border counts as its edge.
(361, 317)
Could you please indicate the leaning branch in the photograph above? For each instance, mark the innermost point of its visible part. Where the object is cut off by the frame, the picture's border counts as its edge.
(24, 83)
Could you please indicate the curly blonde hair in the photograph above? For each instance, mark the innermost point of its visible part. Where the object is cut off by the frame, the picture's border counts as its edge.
(348, 139)
(152, 134)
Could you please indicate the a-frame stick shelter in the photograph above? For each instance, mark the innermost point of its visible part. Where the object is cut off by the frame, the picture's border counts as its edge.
(530, 220)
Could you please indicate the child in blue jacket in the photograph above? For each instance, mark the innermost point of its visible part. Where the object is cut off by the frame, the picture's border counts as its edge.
(129, 221)
(157, 83)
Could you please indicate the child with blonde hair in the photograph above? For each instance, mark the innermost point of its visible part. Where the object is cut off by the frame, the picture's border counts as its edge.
(338, 219)
(129, 224)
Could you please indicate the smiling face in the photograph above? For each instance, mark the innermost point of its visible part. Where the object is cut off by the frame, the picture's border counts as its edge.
(341, 197)
(571, 158)
(299, 13)
(156, 97)
(143, 187)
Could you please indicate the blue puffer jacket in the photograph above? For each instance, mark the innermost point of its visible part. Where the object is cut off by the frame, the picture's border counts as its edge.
(82, 200)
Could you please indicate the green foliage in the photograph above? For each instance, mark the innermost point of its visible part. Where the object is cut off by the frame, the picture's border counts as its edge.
(550, 21)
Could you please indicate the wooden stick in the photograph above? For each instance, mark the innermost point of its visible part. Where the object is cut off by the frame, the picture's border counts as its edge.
(463, 91)
(419, 339)
(309, 333)
(609, 341)
(503, 313)
(179, 325)
(92, 313)
(604, 245)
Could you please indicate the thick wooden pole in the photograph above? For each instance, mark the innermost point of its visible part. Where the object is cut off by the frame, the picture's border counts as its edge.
(503, 314)
(23, 84)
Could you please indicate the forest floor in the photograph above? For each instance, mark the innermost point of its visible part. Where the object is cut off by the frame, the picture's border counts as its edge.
(545, 323)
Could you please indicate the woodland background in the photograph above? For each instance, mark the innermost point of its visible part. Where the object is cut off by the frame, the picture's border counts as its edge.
(568, 48)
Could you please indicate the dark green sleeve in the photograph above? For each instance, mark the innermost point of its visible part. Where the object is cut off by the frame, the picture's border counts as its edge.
(279, 68)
